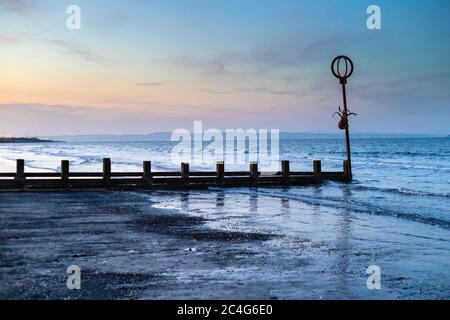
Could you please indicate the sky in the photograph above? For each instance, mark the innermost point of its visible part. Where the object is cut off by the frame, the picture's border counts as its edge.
(142, 66)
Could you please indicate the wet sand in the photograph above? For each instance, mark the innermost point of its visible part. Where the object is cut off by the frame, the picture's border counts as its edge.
(128, 248)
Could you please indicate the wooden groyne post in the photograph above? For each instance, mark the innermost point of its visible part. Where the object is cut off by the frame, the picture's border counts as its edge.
(20, 171)
(65, 172)
(347, 171)
(254, 174)
(317, 170)
(146, 178)
(106, 172)
(147, 173)
(285, 170)
(220, 171)
(185, 173)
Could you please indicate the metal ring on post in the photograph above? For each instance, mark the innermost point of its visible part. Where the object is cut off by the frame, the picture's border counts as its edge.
(336, 68)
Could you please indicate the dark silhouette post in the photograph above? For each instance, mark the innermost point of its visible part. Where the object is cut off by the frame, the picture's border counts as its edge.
(106, 171)
(147, 173)
(185, 170)
(285, 169)
(220, 170)
(317, 165)
(254, 170)
(65, 170)
(20, 171)
(342, 68)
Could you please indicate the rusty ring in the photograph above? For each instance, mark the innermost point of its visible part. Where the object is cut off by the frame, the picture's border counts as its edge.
(335, 65)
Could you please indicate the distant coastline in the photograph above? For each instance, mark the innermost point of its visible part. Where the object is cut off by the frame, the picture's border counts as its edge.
(23, 140)
(166, 136)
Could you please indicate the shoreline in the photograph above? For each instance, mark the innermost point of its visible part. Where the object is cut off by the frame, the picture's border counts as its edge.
(158, 245)
(7, 165)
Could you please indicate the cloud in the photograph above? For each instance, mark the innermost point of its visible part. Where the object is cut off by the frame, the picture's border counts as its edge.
(272, 91)
(20, 7)
(433, 79)
(43, 119)
(411, 90)
(287, 66)
(64, 47)
(79, 51)
(148, 84)
(46, 119)
(286, 53)
(209, 64)
(6, 39)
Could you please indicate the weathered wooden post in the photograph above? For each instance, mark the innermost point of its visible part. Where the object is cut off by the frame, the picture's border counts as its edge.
(254, 171)
(347, 175)
(20, 171)
(185, 172)
(285, 169)
(147, 173)
(65, 170)
(344, 113)
(107, 172)
(220, 171)
(317, 166)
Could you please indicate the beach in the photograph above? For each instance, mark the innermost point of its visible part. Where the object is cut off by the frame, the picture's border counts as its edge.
(311, 242)
(128, 247)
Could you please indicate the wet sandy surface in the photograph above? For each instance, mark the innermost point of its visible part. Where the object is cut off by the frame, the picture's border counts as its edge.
(129, 246)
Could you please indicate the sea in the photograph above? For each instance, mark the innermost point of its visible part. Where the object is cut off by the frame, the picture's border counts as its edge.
(394, 215)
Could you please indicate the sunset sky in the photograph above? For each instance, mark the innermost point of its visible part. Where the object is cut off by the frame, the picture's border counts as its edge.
(145, 66)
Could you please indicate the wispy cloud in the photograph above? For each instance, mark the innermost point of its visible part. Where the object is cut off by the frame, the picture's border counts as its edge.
(6, 39)
(210, 64)
(79, 51)
(286, 53)
(20, 7)
(65, 47)
(43, 119)
(56, 119)
(413, 87)
(148, 84)
(271, 91)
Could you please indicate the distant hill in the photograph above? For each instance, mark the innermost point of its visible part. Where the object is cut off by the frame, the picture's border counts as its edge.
(165, 136)
(157, 136)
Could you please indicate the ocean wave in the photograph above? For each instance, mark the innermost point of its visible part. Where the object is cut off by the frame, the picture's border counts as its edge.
(402, 191)
(389, 153)
(351, 204)
(399, 165)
